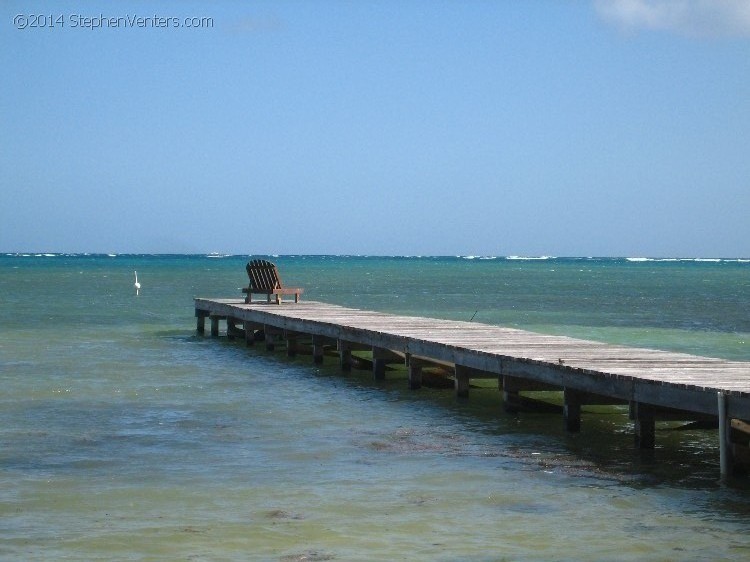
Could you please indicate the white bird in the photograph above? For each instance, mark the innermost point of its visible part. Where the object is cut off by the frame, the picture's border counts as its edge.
(136, 284)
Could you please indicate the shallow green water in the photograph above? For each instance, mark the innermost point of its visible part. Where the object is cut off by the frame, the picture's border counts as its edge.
(123, 436)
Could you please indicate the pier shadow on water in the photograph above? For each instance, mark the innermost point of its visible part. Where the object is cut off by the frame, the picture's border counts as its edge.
(686, 455)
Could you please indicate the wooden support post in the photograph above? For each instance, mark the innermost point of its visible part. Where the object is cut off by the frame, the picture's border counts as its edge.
(726, 460)
(379, 361)
(345, 355)
(214, 326)
(291, 344)
(200, 322)
(317, 345)
(645, 426)
(249, 333)
(511, 396)
(739, 447)
(572, 410)
(270, 334)
(461, 381)
(511, 401)
(415, 377)
(230, 328)
(415, 372)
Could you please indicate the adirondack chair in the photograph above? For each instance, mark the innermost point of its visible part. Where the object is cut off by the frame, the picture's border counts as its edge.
(265, 280)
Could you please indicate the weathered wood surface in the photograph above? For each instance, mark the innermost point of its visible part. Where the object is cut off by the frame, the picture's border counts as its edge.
(661, 378)
(265, 279)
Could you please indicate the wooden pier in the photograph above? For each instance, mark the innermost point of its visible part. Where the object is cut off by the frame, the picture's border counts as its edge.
(658, 385)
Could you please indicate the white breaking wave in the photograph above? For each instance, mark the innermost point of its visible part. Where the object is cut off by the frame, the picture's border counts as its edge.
(708, 260)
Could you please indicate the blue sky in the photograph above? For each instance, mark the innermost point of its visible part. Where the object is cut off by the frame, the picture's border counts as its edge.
(604, 128)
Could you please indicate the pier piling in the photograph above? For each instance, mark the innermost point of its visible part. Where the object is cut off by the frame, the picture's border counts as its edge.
(658, 385)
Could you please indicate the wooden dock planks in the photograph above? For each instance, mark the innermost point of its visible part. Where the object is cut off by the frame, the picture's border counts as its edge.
(646, 378)
(460, 341)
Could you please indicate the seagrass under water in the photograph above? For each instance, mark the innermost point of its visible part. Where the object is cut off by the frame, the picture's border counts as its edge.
(123, 436)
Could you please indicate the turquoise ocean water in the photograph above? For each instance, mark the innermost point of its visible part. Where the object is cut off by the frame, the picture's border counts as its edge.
(124, 436)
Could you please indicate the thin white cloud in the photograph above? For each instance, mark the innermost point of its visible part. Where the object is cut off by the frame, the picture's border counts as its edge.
(703, 18)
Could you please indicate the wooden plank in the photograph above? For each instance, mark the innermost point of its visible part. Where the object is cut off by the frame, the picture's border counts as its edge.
(659, 378)
(741, 426)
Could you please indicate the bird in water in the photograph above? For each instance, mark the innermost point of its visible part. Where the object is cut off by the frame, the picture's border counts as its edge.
(137, 285)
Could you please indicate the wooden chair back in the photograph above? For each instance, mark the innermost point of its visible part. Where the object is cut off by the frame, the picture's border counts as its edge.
(264, 276)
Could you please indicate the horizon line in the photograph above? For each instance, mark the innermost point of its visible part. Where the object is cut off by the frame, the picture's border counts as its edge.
(510, 257)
